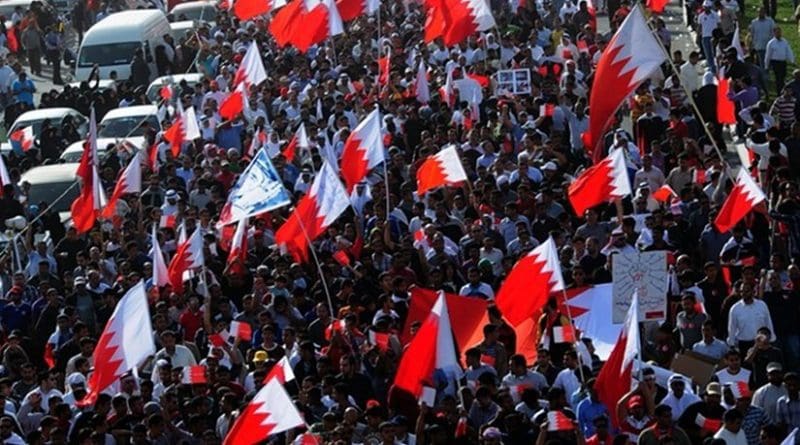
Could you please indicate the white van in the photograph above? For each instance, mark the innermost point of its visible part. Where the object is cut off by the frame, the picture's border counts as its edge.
(111, 43)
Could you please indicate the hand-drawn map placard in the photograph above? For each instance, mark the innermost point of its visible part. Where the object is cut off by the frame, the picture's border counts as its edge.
(646, 274)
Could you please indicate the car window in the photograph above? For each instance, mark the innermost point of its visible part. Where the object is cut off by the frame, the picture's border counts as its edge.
(125, 126)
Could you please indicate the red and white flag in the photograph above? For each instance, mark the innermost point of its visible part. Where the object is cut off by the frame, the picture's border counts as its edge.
(248, 9)
(558, 421)
(305, 23)
(443, 168)
(312, 215)
(530, 283)
(726, 109)
(270, 412)
(362, 151)
(166, 92)
(49, 355)
(564, 334)
(160, 273)
(744, 196)
(384, 67)
(422, 90)
(657, 6)
(90, 202)
(241, 330)
(700, 176)
(447, 92)
(707, 424)
(455, 20)
(431, 348)
(259, 140)
(299, 140)
(602, 182)
(152, 157)
(237, 256)
(126, 341)
(22, 139)
(379, 339)
(740, 390)
(352, 9)
(250, 74)
(631, 56)
(130, 181)
(194, 375)
(282, 371)
(614, 379)
(167, 221)
(664, 193)
(183, 129)
(188, 257)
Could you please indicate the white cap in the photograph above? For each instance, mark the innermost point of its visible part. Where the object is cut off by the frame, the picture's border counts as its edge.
(76, 379)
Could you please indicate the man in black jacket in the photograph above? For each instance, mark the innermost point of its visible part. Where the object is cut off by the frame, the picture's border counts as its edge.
(140, 72)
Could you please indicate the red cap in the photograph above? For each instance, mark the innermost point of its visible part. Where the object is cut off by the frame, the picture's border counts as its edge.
(635, 401)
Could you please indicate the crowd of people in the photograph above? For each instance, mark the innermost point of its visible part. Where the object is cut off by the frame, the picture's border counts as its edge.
(323, 314)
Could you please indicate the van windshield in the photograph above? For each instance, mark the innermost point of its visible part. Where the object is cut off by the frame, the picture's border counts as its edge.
(108, 54)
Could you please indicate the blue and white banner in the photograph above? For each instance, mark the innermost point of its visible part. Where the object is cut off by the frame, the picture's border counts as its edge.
(259, 189)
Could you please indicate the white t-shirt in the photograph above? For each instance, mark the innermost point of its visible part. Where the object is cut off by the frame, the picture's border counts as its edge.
(725, 377)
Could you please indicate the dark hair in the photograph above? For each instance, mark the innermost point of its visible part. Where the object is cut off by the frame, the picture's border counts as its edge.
(662, 410)
(732, 415)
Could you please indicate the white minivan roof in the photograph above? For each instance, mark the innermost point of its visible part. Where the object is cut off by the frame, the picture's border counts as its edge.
(115, 28)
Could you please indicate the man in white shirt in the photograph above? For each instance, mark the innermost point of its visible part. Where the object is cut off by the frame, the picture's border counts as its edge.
(778, 54)
(7, 77)
(690, 74)
(521, 378)
(731, 431)
(179, 356)
(733, 372)
(767, 396)
(45, 390)
(567, 378)
(649, 174)
(708, 21)
(475, 287)
(746, 317)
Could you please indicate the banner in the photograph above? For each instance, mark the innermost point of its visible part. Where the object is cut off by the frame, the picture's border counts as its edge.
(259, 189)
(646, 274)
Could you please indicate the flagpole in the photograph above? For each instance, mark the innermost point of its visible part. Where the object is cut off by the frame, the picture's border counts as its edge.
(575, 342)
(319, 265)
(316, 260)
(677, 71)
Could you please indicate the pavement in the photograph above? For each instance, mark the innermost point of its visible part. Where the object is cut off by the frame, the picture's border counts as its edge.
(45, 81)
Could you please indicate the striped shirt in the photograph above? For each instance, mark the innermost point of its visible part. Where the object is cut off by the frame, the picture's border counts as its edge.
(783, 109)
(754, 420)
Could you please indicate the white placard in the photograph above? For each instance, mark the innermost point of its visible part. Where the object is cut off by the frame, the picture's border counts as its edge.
(646, 274)
(428, 396)
(514, 82)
